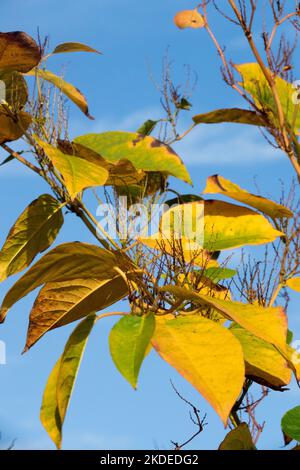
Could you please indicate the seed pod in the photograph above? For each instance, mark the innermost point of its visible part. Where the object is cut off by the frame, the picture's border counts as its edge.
(189, 19)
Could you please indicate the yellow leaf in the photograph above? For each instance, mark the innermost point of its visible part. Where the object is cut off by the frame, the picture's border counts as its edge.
(267, 323)
(218, 185)
(189, 19)
(18, 52)
(264, 363)
(78, 173)
(294, 283)
(60, 303)
(235, 115)
(67, 89)
(73, 47)
(207, 355)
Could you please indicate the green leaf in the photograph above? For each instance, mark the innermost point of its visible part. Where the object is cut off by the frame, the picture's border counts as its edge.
(218, 185)
(205, 354)
(219, 274)
(255, 83)
(144, 152)
(238, 439)
(18, 52)
(148, 127)
(33, 232)
(264, 363)
(68, 261)
(7, 160)
(60, 303)
(234, 115)
(67, 89)
(183, 199)
(290, 423)
(289, 337)
(78, 174)
(73, 47)
(61, 381)
(129, 340)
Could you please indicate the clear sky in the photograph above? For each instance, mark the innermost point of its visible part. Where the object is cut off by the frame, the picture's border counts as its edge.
(134, 36)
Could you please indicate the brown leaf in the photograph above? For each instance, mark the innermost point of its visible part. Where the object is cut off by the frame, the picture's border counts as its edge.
(18, 52)
(11, 129)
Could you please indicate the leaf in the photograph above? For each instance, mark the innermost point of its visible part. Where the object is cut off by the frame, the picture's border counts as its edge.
(18, 52)
(255, 83)
(61, 381)
(66, 262)
(120, 173)
(219, 274)
(218, 185)
(73, 47)
(234, 115)
(205, 354)
(67, 89)
(290, 423)
(11, 129)
(267, 323)
(238, 439)
(214, 225)
(189, 19)
(144, 152)
(263, 362)
(33, 232)
(148, 127)
(183, 199)
(16, 90)
(128, 341)
(294, 283)
(60, 303)
(78, 174)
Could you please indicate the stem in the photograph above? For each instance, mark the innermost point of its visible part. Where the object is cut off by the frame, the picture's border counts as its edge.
(22, 160)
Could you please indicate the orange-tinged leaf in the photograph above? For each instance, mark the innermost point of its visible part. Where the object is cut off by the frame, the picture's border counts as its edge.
(189, 19)
(234, 115)
(11, 129)
(60, 303)
(216, 184)
(206, 354)
(294, 283)
(67, 89)
(18, 52)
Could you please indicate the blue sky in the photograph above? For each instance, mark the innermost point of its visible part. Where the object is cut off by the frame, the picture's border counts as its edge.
(133, 35)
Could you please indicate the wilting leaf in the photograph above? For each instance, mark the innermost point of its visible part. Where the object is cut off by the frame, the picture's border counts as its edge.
(69, 261)
(148, 127)
(234, 115)
(206, 354)
(263, 362)
(67, 89)
(255, 83)
(267, 323)
(218, 185)
(18, 52)
(12, 129)
(189, 19)
(33, 232)
(183, 199)
(16, 91)
(78, 173)
(60, 303)
(129, 340)
(61, 381)
(238, 439)
(120, 173)
(144, 152)
(73, 47)
(219, 274)
(290, 423)
(294, 283)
